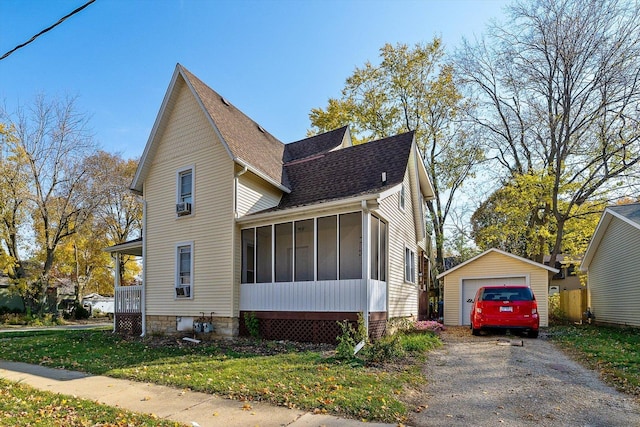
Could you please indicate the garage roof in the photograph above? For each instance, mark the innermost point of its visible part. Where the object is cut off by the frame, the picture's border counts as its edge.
(528, 261)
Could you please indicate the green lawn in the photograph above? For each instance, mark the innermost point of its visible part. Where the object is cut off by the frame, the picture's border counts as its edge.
(21, 405)
(308, 380)
(614, 352)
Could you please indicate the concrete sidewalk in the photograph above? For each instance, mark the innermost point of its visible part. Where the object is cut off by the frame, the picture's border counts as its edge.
(188, 407)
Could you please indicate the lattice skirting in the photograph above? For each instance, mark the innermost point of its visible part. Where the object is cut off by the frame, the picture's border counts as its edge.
(309, 327)
(129, 324)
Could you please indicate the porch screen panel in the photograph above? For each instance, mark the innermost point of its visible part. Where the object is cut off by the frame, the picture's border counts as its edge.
(304, 250)
(374, 243)
(263, 254)
(248, 255)
(328, 248)
(284, 252)
(350, 246)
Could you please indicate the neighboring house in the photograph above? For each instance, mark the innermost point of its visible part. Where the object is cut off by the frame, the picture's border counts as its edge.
(612, 261)
(493, 267)
(567, 278)
(301, 235)
(9, 301)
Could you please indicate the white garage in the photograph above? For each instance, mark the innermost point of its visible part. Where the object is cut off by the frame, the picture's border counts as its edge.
(493, 267)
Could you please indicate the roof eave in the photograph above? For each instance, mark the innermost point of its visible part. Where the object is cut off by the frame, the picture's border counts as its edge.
(261, 174)
(315, 207)
(528, 261)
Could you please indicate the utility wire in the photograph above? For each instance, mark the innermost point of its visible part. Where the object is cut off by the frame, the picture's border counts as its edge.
(46, 29)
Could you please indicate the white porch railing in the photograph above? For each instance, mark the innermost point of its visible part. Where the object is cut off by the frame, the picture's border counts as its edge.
(128, 299)
(324, 296)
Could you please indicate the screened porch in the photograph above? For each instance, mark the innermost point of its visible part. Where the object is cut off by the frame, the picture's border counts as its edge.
(320, 264)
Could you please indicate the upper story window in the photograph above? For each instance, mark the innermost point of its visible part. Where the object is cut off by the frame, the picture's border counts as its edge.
(402, 196)
(184, 196)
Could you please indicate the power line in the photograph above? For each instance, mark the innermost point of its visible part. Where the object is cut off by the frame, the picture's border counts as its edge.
(46, 29)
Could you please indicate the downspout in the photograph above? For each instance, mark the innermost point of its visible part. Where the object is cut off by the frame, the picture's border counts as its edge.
(143, 297)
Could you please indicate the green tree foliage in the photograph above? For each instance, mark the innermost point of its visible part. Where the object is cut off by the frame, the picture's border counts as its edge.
(558, 95)
(513, 219)
(412, 89)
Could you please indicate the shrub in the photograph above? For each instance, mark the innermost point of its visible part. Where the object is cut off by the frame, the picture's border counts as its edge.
(349, 337)
(386, 349)
(252, 323)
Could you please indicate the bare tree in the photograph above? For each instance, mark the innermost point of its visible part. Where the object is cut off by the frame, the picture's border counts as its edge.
(51, 144)
(559, 98)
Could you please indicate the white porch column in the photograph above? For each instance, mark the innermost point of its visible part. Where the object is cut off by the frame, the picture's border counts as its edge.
(366, 261)
(116, 286)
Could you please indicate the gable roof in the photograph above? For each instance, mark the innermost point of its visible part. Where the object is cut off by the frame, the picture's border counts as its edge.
(348, 172)
(519, 258)
(246, 142)
(629, 213)
(317, 169)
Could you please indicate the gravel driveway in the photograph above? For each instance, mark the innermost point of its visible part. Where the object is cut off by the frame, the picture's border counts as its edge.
(491, 381)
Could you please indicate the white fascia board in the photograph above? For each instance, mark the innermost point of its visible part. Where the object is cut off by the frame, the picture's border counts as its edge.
(389, 192)
(141, 171)
(314, 208)
(423, 176)
(603, 224)
(261, 174)
(519, 258)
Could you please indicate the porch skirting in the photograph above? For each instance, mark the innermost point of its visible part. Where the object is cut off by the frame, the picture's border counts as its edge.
(128, 323)
(316, 327)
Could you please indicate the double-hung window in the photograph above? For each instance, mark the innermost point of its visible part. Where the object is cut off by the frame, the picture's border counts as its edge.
(184, 196)
(409, 265)
(184, 270)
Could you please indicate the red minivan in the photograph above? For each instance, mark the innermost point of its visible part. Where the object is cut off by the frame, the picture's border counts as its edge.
(512, 307)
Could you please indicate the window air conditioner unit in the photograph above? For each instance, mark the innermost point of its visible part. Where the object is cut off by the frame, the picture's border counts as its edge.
(183, 291)
(183, 208)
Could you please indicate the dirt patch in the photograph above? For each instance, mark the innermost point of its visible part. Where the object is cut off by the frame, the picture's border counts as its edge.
(513, 381)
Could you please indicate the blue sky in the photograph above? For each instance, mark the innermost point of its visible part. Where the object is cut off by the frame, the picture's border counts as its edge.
(274, 59)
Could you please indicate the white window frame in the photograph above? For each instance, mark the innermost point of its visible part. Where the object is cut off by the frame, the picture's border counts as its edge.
(178, 282)
(409, 265)
(402, 197)
(179, 197)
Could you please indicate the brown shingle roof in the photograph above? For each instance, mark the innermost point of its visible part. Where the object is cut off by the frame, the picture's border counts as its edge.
(348, 172)
(246, 139)
(314, 145)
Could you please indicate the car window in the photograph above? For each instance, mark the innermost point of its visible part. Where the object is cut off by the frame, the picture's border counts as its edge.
(507, 294)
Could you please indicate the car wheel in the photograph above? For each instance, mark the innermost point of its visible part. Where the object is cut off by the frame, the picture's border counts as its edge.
(475, 331)
(533, 334)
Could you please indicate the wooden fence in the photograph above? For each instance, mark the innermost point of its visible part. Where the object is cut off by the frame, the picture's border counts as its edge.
(573, 304)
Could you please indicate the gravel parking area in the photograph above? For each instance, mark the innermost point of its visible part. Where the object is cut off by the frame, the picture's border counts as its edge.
(507, 380)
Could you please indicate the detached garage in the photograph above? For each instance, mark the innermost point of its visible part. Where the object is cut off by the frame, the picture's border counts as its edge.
(493, 267)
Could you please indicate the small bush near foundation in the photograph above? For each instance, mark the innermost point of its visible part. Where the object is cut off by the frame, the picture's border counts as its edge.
(253, 324)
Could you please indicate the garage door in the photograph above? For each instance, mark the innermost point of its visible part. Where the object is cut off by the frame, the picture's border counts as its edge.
(471, 286)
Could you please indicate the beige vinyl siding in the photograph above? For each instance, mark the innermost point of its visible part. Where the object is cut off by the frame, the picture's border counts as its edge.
(254, 194)
(494, 264)
(403, 297)
(188, 140)
(614, 275)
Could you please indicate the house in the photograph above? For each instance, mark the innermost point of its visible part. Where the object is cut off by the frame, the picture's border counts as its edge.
(299, 235)
(567, 278)
(612, 262)
(493, 267)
